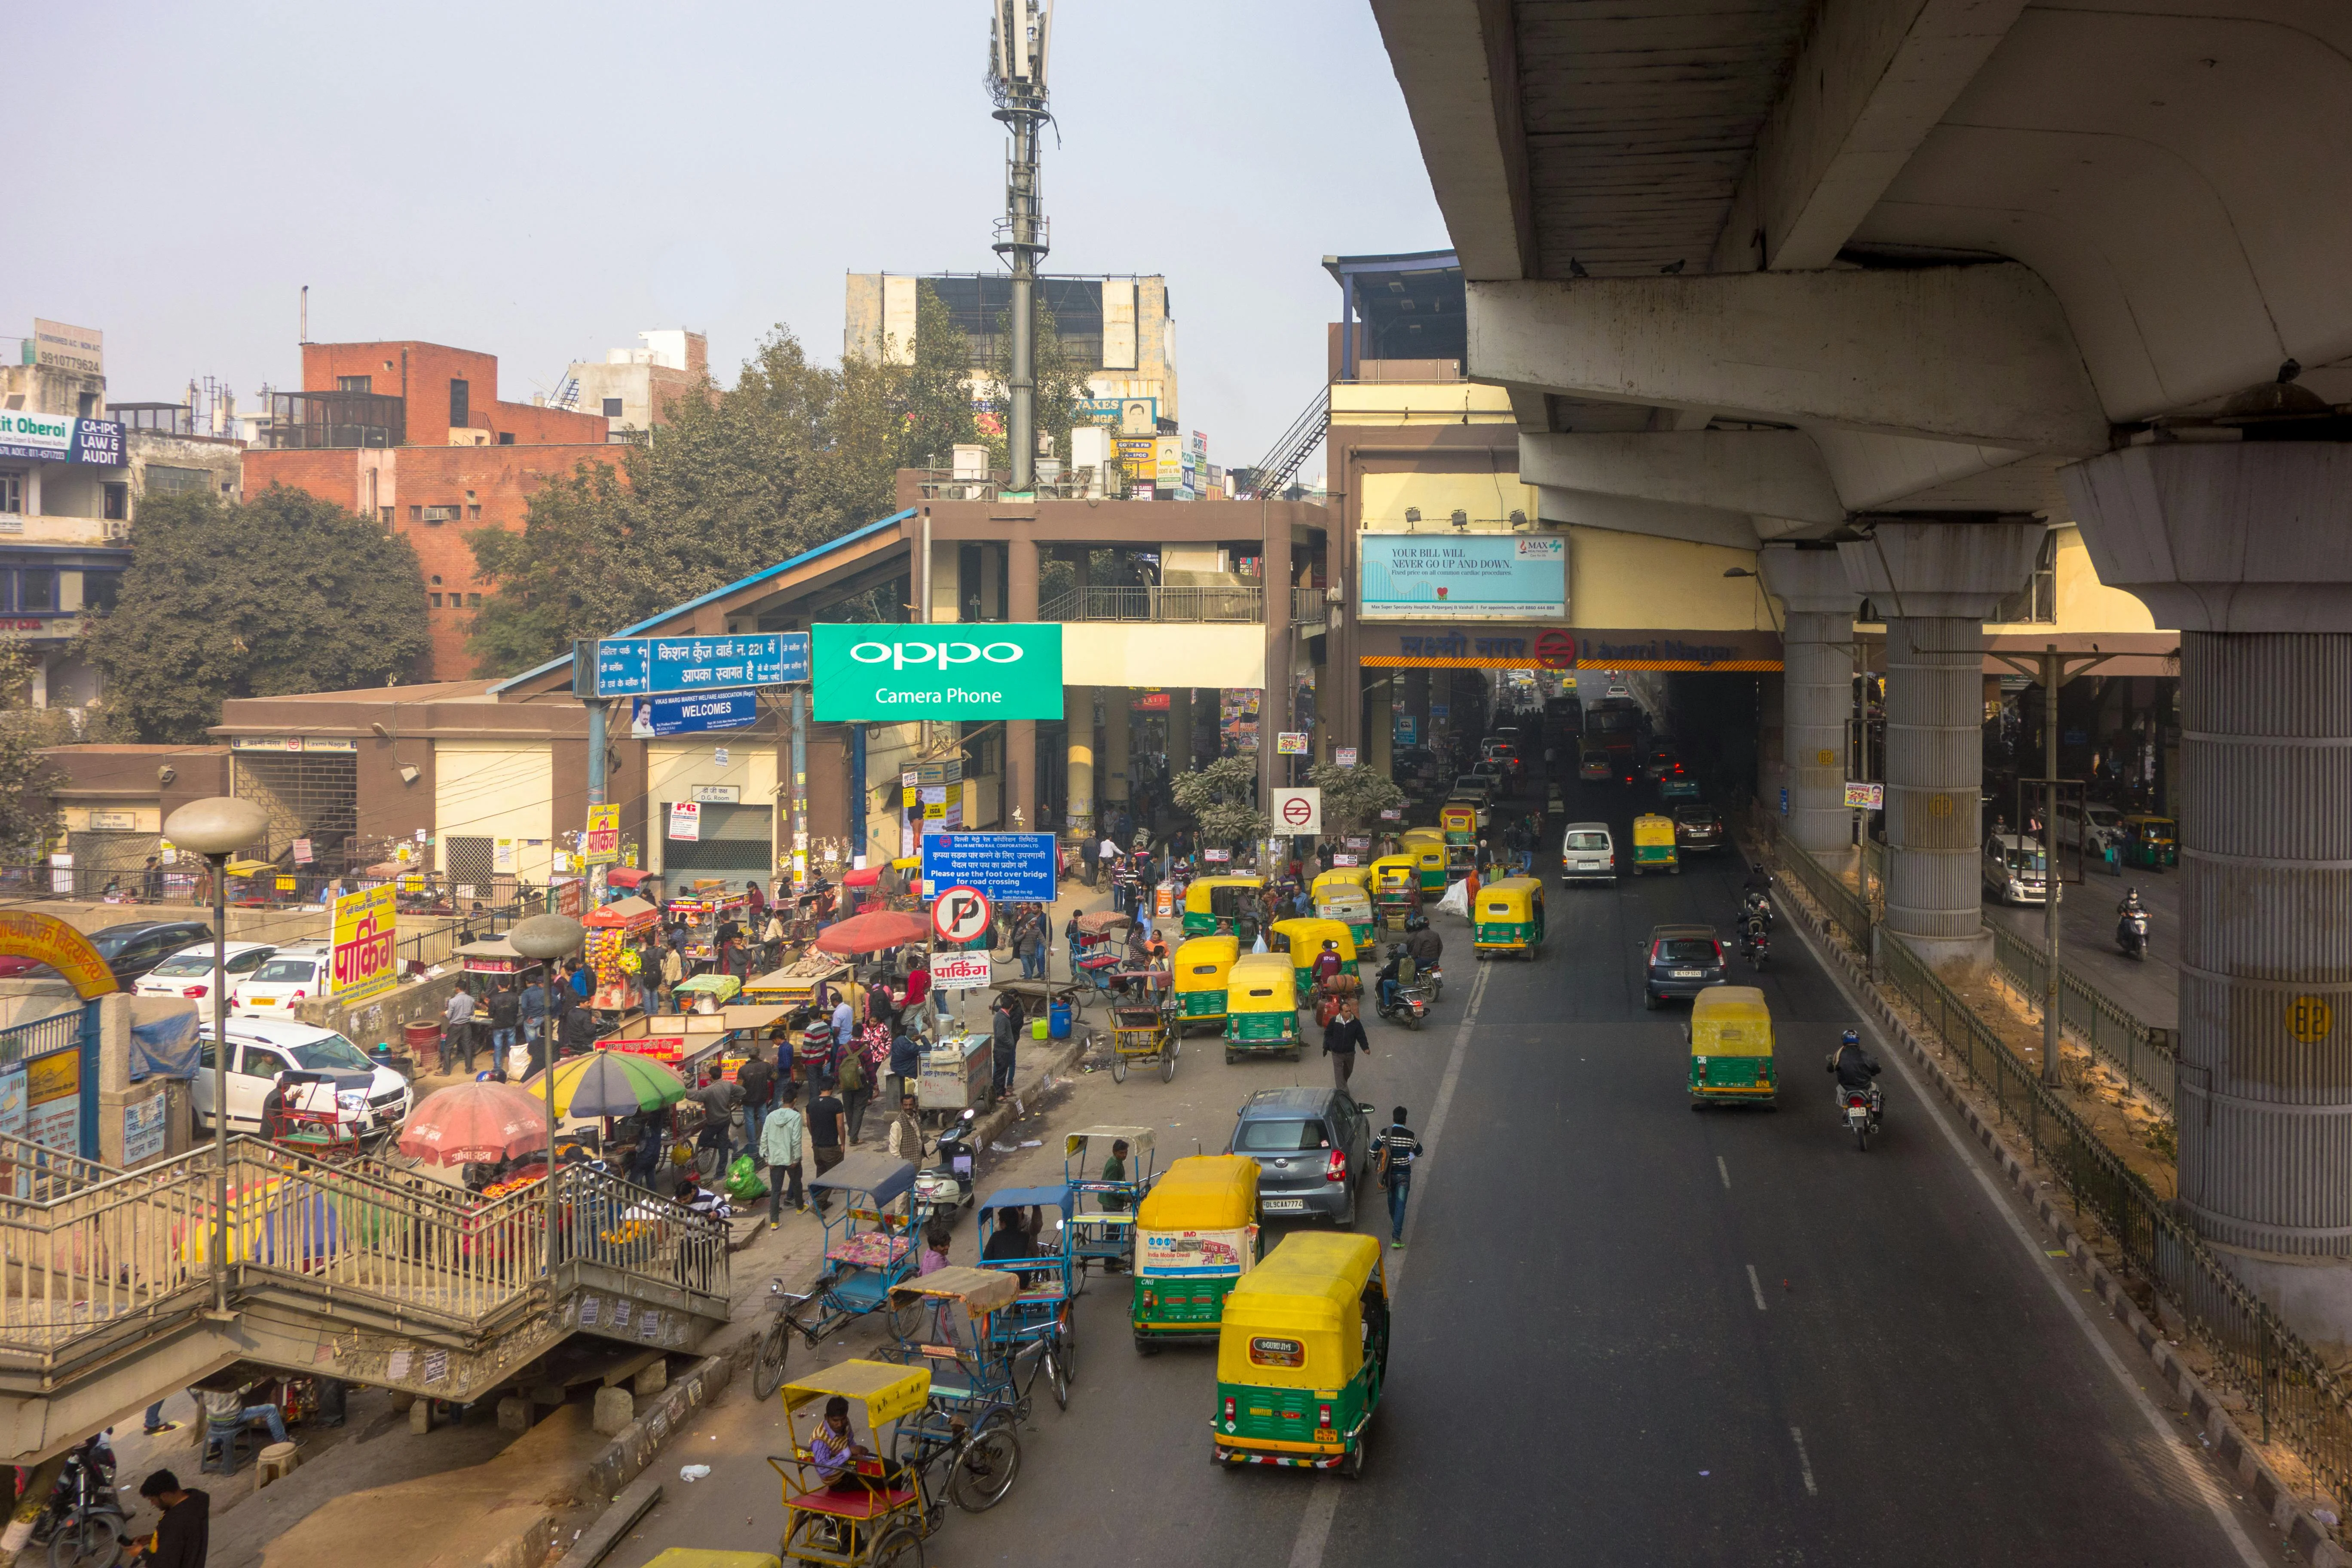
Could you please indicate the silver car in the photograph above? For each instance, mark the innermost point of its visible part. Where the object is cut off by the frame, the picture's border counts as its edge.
(1313, 1148)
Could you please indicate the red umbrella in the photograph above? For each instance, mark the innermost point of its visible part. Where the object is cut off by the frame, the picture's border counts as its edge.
(873, 933)
(475, 1123)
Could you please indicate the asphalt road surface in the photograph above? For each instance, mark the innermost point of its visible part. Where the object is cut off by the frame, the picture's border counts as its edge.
(1625, 1332)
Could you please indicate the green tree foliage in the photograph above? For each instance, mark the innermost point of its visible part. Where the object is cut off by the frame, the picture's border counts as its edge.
(26, 821)
(279, 594)
(1060, 383)
(1222, 800)
(1353, 798)
(793, 456)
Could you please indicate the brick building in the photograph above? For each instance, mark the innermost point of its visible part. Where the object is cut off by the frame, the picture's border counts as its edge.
(413, 434)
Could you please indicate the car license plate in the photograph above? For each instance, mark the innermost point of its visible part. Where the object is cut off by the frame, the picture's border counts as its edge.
(1284, 1205)
(265, 1002)
(1687, 975)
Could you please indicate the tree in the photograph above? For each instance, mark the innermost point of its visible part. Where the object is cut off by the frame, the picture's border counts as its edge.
(937, 393)
(1222, 800)
(27, 820)
(280, 593)
(1353, 798)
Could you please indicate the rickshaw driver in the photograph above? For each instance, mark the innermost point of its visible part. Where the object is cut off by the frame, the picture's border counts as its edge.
(1115, 1170)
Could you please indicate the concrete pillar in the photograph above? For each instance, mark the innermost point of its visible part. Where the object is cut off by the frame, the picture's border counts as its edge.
(2247, 548)
(1274, 701)
(1078, 716)
(1816, 690)
(614, 1409)
(1118, 746)
(1180, 729)
(1934, 583)
(1416, 703)
(1021, 734)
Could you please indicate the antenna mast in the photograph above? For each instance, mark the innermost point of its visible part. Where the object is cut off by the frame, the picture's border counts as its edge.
(1016, 84)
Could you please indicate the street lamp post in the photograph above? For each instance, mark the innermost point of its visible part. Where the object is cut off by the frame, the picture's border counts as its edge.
(215, 828)
(547, 938)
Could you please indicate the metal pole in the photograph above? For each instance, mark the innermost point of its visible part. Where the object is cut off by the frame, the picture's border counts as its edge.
(220, 1082)
(858, 834)
(547, 1080)
(2051, 882)
(800, 787)
(596, 711)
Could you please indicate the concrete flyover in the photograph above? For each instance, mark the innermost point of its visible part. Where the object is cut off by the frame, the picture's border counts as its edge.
(1924, 279)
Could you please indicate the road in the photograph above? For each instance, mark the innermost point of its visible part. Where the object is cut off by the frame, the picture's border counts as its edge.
(2151, 989)
(1625, 1333)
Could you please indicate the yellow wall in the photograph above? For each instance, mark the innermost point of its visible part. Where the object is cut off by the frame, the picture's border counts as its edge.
(495, 789)
(2086, 603)
(674, 767)
(1633, 581)
(1489, 499)
(1419, 403)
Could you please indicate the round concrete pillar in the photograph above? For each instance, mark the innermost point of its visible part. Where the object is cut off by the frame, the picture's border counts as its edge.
(1078, 716)
(1117, 766)
(1935, 771)
(1816, 601)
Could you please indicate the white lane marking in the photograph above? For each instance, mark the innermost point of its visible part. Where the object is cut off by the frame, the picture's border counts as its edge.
(1756, 1287)
(1323, 1497)
(2201, 1480)
(1724, 1170)
(1804, 1463)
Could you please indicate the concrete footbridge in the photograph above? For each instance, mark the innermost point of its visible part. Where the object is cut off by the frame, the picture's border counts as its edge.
(1892, 290)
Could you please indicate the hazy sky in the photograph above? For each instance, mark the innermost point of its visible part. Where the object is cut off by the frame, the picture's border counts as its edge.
(541, 182)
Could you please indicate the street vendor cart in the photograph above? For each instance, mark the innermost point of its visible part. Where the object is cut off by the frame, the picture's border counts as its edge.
(705, 906)
(493, 956)
(609, 928)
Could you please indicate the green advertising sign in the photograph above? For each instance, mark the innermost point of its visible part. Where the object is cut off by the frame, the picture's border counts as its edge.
(877, 673)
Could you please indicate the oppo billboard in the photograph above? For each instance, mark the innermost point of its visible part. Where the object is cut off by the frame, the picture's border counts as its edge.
(879, 673)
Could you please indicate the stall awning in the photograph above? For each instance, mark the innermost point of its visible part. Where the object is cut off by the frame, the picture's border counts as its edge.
(622, 914)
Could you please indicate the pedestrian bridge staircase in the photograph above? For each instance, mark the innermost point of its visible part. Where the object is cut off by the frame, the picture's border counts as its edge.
(111, 1295)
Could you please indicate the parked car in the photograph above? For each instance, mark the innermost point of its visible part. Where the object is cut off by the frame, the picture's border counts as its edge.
(1592, 763)
(1680, 962)
(1698, 827)
(1586, 854)
(2014, 868)
(265, 1047)
(292, 974)
(189, 973)
(2093, 827)
(130, 950)
(1313, 1148)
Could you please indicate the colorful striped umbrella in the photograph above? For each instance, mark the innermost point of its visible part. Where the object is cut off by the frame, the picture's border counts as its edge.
(610, 1083)
(475, 1123)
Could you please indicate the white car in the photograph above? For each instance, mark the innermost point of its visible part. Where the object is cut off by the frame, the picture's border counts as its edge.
(291, 975)
(265, 1047)
(189, 972)
(2014, 869)
(1586, 854)
(2105, 825)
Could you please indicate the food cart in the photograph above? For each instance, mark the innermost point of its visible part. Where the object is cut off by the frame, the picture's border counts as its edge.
(705, 906)
(794, 986)
(493, 956)
(956, 1075)
(609, 928)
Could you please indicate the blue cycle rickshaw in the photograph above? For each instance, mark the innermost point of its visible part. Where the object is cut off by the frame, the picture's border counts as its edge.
(869, 1246)
(980, 1385)
(1103, 1229)
(1046, 1266)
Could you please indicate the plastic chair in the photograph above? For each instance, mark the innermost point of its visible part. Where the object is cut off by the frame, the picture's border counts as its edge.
(221, 1440)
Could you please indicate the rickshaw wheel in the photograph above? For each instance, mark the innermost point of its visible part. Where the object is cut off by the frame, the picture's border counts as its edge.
(1352, 1466)
(767, 1367)
(1118, 1067)
(1146, 1345)
(1168, 1064)
(902, 1548)
(988, 1466)
(907, 1322)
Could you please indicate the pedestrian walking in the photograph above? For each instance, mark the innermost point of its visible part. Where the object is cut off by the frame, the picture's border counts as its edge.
(530, 1009)
(906, 1137)
(1392, 1163)
(757, 1079)
(1343, 1037)
(906, 1064)
(1004, 1034)
(828, 1126)
(505, 1010)
(457, 1030)
(780, 1151)
(855, 1082)
(719, 1099)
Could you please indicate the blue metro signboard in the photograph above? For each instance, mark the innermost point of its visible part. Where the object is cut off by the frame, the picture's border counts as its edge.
(1014, 867)
(645, 666)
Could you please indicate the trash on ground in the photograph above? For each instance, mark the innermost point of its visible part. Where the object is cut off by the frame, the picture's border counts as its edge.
(692, 1473)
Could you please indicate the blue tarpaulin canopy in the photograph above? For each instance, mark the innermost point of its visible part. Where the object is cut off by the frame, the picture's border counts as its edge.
(164, 1041)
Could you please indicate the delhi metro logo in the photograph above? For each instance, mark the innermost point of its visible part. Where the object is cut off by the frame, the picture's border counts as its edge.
(1555, 651)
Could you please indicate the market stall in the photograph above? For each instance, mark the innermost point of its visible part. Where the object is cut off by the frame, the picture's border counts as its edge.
(705, 905)
(493, 956)
(610, 929)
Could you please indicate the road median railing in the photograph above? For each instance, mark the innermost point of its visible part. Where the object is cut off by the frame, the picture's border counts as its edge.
(2288, 1388)
(2141, 1052)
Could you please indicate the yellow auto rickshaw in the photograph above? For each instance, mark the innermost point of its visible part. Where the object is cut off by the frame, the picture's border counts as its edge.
(1202, 964)
(1302, 1354)
(1351, 906)
(1730, 1035)
(1396, 888)
(2151, 843)
(1196, 1235)
(1261, 1006)
(1304, 939)
(1508, 918)
(1212, 904)
(1342, 875)
(1654, 845)
(1427, 847)
(1459, 822)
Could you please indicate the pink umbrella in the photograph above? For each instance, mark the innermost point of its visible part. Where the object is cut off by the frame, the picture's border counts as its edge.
(475, 1123)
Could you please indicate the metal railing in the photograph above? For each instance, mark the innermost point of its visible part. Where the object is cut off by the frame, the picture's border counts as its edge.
(2142, 1052)
(98, 1248)
(2287, 1386)
(1847, 910)
(1195, 604)
(36, 1171)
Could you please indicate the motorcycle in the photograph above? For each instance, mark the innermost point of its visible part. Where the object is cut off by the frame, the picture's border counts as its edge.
(1409, 1008)
(1754, 945)
(1756, 906)
(82, 1524)
(943, 1191)
(1433, 980)
(2131, 934)
(1861, 1109)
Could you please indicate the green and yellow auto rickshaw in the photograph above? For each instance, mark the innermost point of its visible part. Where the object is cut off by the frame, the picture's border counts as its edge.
(2151, 843)
(1508, 917)
(1396, 887)
(1302, 1354)
(1654, 845)
(1261, 1006)
(1202, 964)
(1427, 848)
(1459, 822)
(1730, 1038)
(1196, 1236)
(1214, 904)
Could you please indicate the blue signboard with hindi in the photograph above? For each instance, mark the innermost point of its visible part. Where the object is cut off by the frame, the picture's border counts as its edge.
(653, 717)
(1018, 867)
(645, 666)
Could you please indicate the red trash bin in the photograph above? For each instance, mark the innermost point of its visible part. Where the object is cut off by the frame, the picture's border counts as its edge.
(420, 1038)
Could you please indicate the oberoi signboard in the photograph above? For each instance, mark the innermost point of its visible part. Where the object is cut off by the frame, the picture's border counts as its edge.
(967, 670)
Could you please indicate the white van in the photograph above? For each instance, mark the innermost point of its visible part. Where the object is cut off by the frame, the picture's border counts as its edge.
(2014, 868)
(263, 1047)
(1586, 854)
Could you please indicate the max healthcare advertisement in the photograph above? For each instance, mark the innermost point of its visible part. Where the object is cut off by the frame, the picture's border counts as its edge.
(985, 669)
(1501, 574)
